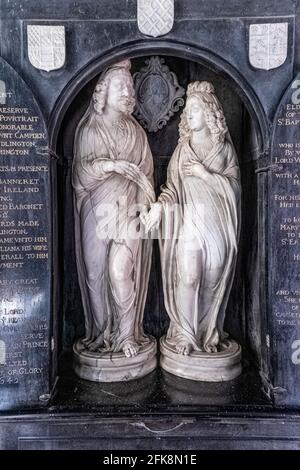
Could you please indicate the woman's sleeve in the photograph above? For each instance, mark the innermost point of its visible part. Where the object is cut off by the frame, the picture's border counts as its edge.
(169, 190)
(232, 170)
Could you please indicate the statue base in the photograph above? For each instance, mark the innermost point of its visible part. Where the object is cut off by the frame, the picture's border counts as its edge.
(114, 367)
(201, 366)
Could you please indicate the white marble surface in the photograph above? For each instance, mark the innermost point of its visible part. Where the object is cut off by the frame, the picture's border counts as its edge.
(268, 45)
(198, 217)
(200, 366)
(46, 46)
(112, 173)
(114, 367)
(155, 17)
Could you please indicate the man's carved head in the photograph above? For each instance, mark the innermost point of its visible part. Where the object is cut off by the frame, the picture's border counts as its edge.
(115, 89)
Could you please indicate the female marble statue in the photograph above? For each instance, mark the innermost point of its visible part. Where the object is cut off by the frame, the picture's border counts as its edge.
(199, 243)
(112, 172)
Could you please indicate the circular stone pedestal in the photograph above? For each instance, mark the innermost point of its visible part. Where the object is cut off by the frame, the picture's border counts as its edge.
(201, 366)
(114, 367)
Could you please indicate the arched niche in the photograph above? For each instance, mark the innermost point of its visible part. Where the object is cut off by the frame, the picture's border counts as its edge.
(249, 129)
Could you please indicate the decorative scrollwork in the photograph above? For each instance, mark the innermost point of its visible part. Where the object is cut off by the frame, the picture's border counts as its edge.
(158, 94)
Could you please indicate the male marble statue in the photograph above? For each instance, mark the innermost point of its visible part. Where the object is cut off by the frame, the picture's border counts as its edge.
(112, 180)
(199, 208)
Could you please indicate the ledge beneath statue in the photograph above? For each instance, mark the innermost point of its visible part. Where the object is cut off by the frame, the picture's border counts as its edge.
(183, 414)
(252, 430)
(114, 367)
(201, 366)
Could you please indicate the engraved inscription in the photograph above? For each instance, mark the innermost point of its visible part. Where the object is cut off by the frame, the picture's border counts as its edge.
(286, 222)
(21, 239)
(24, 244)
(284, 249)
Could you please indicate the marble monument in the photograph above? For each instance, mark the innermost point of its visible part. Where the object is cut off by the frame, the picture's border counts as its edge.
(112, 181)
(199, 208)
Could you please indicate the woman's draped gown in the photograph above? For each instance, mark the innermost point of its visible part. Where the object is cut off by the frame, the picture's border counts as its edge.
(210, 209)
(100, 200)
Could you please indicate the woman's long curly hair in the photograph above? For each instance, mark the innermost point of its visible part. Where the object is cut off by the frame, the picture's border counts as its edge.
(213, 112)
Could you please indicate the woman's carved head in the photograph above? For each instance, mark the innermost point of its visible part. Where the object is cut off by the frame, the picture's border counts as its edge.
(115, 89)
(202, 109)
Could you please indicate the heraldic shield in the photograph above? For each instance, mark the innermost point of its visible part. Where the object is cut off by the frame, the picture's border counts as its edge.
(155, 17)
(268, 45)
(46, 46)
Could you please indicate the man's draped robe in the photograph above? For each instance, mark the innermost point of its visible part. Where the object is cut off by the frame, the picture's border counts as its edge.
(95, 193)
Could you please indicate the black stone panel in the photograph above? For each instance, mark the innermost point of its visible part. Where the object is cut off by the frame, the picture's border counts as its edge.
(25, 246)
(284, 236)
(219, 30)
(240, 430)
(93, 30)
(127, 9)
(241, 308)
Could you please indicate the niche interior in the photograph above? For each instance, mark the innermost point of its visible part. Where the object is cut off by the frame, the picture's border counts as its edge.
(243, 320)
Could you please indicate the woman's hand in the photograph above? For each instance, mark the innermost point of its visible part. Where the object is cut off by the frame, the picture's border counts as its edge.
(153, 218)
(193, 168)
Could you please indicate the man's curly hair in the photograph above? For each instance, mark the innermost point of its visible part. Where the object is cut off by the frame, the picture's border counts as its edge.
(100, 93)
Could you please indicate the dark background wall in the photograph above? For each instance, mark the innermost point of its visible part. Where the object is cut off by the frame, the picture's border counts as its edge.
(95, 27)
(162, 144)
(103, 31)
(99, 29)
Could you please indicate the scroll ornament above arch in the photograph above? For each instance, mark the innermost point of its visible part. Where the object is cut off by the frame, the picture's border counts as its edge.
(162, 48)
(158, 94)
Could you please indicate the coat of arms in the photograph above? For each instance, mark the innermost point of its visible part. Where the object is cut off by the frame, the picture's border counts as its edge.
(155, 17)
(268, 44)
(158, 94)
(46, 46)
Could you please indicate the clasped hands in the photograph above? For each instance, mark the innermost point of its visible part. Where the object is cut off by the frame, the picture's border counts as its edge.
(152, 219)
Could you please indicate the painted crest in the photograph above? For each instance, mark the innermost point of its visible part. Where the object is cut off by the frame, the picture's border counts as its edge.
(155, 17)
(158, 94)
(268, 45)
(46, 46)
